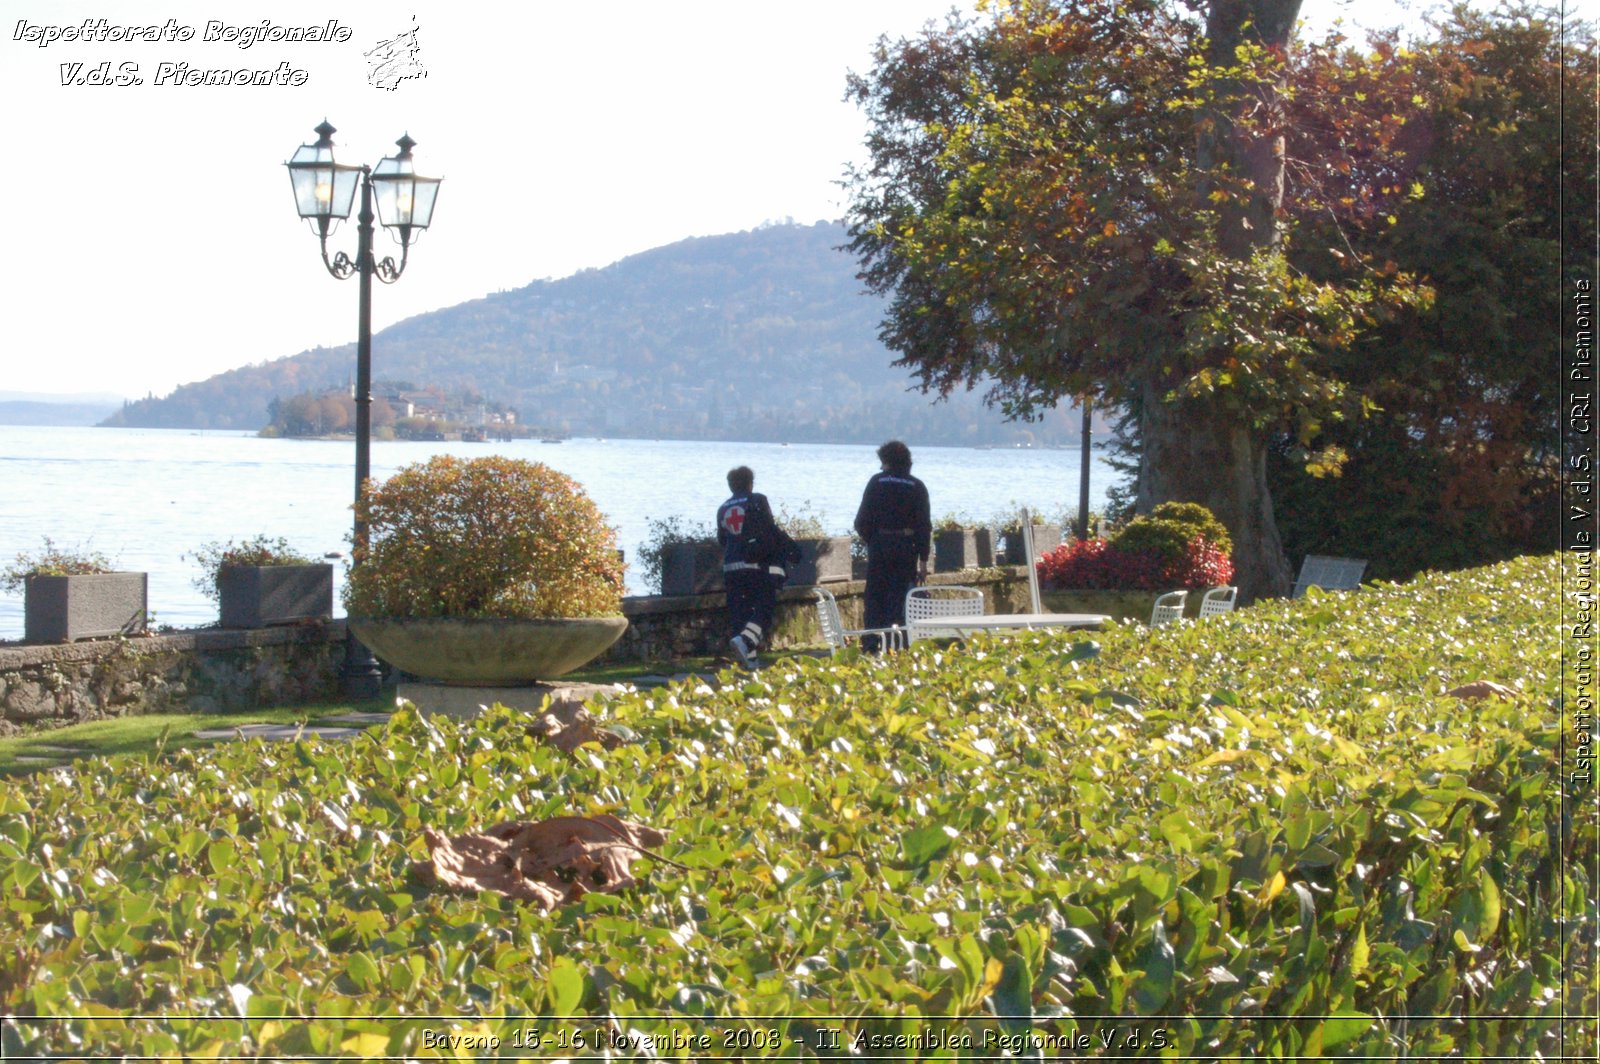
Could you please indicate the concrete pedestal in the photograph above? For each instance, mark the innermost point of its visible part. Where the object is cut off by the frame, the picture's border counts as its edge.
(468, 702)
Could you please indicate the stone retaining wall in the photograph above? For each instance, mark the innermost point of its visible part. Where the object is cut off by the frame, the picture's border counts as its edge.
(206, 671)
(213, 670)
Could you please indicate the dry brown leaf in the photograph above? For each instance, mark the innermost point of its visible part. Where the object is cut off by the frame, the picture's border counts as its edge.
(547, 862)
(1483, 689)
(567, 725)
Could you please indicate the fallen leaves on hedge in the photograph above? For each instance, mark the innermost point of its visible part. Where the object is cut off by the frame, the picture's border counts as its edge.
(1483, 689)
(547, 862)
(566, 725)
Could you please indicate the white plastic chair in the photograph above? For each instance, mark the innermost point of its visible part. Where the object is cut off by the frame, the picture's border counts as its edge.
(1218, 600)
(838, 636)
(931, 603)
(1169, 608)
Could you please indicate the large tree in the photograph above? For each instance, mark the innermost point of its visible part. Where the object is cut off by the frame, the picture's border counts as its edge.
(1460, 462)
(1093, 197)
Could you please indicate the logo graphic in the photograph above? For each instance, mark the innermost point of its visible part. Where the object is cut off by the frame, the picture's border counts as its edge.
(733, 519)
(395, 60)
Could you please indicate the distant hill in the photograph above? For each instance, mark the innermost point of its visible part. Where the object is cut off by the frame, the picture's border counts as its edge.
(760, 335)
(34, 412)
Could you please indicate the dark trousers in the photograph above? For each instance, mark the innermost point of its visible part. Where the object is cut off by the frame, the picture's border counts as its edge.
(891, 572)
(752, 600)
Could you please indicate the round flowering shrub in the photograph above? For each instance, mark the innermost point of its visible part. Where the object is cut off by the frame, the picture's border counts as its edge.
(1166, 540)
(1180, 545)
(52, 560)
(1199, 520)
(489, 537)
(1099, 564)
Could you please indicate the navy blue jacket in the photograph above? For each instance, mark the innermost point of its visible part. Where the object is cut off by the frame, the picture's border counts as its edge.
(895, 504)
(750, 538)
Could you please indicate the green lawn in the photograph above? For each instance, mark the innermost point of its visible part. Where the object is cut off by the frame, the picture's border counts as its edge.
(48, 748)
(38, 750)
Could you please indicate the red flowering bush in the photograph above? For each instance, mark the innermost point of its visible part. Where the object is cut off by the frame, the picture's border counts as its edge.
(1103, 564)
(1078, 564)
(1178, 545)
(1203, 565)
(490, 537)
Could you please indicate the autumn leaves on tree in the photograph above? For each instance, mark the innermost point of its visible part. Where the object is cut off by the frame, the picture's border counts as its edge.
(1169, 212)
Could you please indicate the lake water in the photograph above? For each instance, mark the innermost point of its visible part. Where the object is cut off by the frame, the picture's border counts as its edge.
(147, 497)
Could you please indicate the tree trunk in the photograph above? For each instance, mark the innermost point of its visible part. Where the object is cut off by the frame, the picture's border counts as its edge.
(1197, 451)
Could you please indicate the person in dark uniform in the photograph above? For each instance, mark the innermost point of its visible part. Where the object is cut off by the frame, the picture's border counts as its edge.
(756, 554)
(894, 523)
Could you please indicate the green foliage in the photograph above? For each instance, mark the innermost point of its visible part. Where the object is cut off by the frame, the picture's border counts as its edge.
(802, 523)
(1199, 520)
(664, 534)
(1271, 834)
(1167, 531)
(1459, 461)
(1009, 520)
(1165, 539)
(51, 560)
(1052, 213)
(262, 550)
(1089, 198)
(490, 537)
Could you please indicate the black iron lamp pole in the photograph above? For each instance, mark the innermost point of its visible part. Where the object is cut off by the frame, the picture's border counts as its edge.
(323, 191)
(1086, 442)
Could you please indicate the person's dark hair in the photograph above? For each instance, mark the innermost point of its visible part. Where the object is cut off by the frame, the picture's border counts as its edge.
(896, 456)
(741, 480)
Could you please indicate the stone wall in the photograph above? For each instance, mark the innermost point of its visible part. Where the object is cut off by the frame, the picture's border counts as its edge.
(206, 671)
(213, 670)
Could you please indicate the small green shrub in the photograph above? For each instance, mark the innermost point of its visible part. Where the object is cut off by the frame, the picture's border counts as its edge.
(490, 537)
(1155, 535)
(803, 523)
(1011, 516)
(51, 560)
(1198, 518)
(1171, 547)
(664, 534)
(261, 550)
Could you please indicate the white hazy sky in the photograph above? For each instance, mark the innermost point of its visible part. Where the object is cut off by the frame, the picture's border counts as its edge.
(151, 239)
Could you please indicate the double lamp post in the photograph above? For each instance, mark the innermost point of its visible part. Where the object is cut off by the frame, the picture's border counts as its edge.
(323, 193)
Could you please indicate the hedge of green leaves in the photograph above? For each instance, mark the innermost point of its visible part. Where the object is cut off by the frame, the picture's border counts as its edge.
(1268, 834)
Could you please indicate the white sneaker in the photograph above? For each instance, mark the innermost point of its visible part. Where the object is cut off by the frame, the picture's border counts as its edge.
(746, 657)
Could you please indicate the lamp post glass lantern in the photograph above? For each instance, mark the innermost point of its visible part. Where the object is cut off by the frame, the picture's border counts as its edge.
(324, 190)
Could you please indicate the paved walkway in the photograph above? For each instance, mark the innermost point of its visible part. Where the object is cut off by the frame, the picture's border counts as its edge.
(342, 726)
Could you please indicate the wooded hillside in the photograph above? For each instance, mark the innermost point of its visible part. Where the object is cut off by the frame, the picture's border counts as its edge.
(760, 335)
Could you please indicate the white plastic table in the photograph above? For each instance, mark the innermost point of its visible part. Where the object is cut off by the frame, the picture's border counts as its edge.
(934, 627)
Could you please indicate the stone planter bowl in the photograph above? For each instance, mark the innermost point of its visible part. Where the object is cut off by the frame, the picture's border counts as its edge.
(487, 651)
